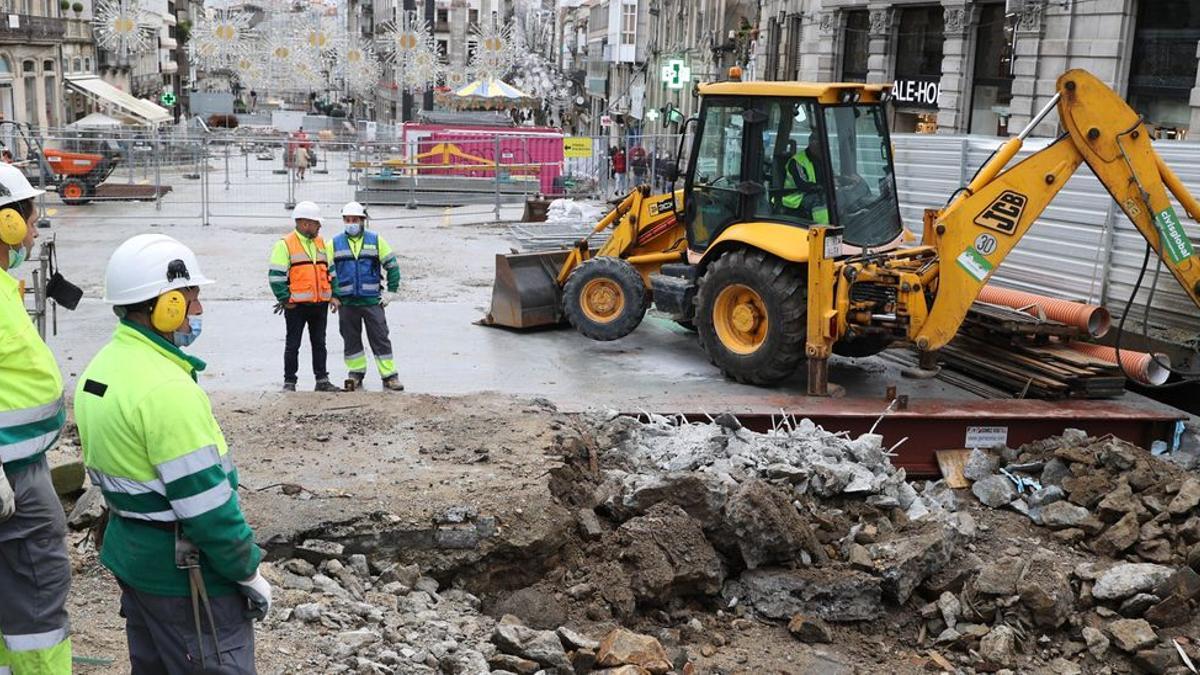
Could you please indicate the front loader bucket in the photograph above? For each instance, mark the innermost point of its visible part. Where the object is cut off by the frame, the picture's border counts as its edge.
(526, 292)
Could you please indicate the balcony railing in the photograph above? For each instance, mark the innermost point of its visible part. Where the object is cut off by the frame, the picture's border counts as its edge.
(28, 27)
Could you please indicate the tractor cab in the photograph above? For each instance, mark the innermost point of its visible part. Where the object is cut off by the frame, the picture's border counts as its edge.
(791, 154)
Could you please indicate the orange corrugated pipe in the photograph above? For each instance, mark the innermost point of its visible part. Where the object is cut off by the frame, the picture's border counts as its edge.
(1143, 367)
(1092, 318)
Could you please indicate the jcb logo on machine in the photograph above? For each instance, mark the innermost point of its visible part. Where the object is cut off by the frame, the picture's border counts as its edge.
(1004, 213)
(663, 206)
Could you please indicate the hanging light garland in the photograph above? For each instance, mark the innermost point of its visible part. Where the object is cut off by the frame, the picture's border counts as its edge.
(407, 44)
(359, 67)
(321, 35)
(121, 27)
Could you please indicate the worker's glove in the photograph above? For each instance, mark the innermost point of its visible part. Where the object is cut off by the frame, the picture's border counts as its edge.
(258, 593)
(388, 298)
(279, 308)
(8, 501)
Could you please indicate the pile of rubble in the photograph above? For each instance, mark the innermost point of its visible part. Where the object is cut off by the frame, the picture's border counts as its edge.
(1103, 494)
(375, 618)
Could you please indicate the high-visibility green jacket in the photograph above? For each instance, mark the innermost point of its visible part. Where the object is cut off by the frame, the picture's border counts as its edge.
(152, 445)
(387, 259)
(794, 200)
(32, 412)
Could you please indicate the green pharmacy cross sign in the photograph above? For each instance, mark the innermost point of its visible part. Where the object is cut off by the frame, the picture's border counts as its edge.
(676, 74)
(168, 99)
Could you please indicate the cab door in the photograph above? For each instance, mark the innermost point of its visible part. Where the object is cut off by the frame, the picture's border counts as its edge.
(713, 188)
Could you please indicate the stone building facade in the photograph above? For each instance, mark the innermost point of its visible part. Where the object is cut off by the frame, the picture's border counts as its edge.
(988, 66)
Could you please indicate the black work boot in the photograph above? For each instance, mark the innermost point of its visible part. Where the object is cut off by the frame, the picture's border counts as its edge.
(392, 382)
(289, 386)
(326, 385)
(354, 382)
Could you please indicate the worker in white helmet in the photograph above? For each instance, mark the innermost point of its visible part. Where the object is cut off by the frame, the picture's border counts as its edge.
(362, 260)
(35, 572)
(299, 275)
(176, 540)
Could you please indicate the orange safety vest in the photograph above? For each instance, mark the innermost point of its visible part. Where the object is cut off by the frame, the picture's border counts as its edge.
(308, 278)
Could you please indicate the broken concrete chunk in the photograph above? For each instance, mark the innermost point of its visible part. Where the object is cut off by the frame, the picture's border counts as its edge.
(1118, 537)
(589, 524)
(1184, 582)
(906, 562)
(665, 553)
(860, 558)
(1136, 605)
(1097, 642)
(534, 607)
(67, 476)
(1045, 591)
(1047, 495)
(1186, 499)
(88, 510)
(809, 629)
(1126, 579)
(623, 647)
(1054, 472)
(316, 551)
(573, 640)
(950, 608)
(542, 646)
(1000, 577)
(980, 464)
(1171, 611)
(994, 491)
(999, 646)
(767, 527)
(1063, 514)
(1130, 635)
(307, 612)
(828, 594)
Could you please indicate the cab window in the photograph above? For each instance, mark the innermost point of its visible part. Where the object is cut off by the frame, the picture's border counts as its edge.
(864, 184)
(794, 168)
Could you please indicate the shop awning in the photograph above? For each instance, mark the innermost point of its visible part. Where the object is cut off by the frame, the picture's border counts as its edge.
(143, 111)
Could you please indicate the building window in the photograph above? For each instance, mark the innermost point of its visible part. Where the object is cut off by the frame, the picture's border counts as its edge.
(791, 62)
(443, 18)
(443, 48)
(78, 65)
(855, 46)
(31, 107)
(48, 65)
(1163, 70)
(51, 98)
(473, 17)
(628, 24)
(28, 67)
(992, 87)
(87, 64)
(771, 69)
(918, 68)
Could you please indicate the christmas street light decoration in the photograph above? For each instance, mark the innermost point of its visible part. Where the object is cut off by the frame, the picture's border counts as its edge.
(407, 44)
(360, 69)
(121, 27)
(496, 51)
(322, 35)
(220, 37)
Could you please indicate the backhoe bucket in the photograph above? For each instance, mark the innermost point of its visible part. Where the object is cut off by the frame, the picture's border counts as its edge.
(526, 292)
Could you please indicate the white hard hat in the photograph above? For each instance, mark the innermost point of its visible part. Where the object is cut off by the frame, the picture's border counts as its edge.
(354, 209)
(14, 186)
(148, 265)
(307, 211)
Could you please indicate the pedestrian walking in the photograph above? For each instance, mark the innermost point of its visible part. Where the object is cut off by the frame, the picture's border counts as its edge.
(299, 277)
(618, 169)
(176, 539)
(360, 259)
(35, 572)
(639, 163)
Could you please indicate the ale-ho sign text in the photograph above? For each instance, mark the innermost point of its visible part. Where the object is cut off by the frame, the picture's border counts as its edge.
(920, 93)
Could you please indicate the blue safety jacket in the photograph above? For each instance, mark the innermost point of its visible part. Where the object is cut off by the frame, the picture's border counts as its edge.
(357, 275)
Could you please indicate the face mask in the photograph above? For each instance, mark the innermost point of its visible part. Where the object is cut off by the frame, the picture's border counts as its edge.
(186, 339)
(353, 229)
(16, 256)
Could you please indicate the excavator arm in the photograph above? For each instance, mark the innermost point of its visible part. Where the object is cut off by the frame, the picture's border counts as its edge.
(977, 230)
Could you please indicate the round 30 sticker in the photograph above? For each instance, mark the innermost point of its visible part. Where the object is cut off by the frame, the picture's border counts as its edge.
(985, 244)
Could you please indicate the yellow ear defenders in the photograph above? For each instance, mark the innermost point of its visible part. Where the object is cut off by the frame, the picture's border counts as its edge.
(169, 313)
(12, 227)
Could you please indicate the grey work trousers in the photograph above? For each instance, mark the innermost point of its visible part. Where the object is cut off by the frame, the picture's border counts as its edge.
(35, 572)
(162, 635)
(351, 321)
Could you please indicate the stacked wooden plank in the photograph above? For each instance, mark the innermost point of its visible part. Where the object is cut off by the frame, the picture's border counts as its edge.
(1028, 357)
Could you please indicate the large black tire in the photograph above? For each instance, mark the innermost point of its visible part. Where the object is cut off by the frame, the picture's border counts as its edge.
(605, 298)
(766, 342)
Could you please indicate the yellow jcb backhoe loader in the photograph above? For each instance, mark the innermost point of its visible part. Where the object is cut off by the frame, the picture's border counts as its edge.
(793, 229)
